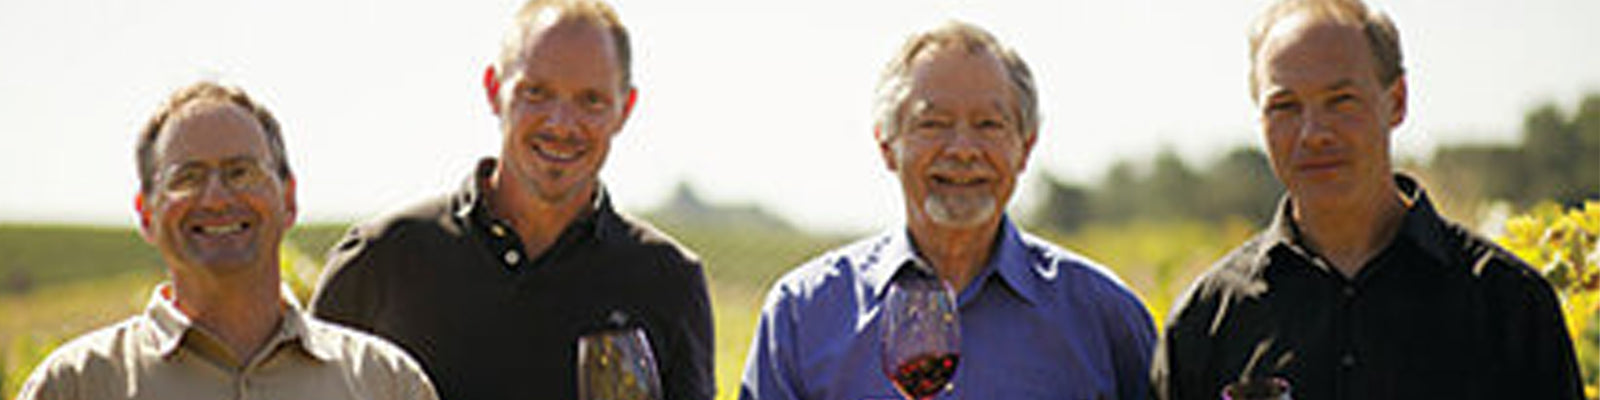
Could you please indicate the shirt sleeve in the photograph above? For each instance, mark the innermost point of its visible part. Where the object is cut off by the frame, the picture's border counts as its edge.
(1541, 362)
(385, 370)
(78, 369)
(348, 293)
(1132, 340)
(688, 372)
(49, 382)
(769, 371)
(412, 383)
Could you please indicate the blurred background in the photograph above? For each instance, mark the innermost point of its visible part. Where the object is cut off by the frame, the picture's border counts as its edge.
(752, 138)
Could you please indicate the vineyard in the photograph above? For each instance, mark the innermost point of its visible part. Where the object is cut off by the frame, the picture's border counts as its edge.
(59, 282)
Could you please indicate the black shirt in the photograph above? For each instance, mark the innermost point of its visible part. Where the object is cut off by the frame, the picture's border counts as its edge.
(451, 283)
(1439, 313)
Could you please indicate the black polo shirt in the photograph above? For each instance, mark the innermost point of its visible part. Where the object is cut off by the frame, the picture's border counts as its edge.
(1440, 313)
(452, 284)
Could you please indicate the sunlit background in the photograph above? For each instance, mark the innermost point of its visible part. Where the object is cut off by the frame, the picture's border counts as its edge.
(754, 119)
(749, 102)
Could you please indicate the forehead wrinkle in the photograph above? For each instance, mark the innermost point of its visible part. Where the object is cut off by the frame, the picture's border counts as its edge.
(999, 106)
(1343, 83)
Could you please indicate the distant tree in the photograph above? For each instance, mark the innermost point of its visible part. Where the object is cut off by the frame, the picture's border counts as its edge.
(1118, 196)
(1557, 159)
(1552, 150)
(1587, 168)
(1241, 184)
(1173, 190)
(1066, 206)
(1480, 171)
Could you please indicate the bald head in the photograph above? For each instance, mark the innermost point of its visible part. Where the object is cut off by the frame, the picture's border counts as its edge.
(1381, 36)
(537, 15)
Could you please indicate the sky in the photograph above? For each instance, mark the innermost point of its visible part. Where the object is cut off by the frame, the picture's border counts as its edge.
(751, 102)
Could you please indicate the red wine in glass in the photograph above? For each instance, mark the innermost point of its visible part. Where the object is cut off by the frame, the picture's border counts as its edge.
(921, 337)
(924, 376)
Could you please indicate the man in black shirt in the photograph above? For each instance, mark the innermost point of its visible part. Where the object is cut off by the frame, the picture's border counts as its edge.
(1358, 289)
(490, 287)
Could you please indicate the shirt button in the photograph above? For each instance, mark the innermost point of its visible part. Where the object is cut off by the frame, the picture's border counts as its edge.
(512, 257)
(1348, 361)
(1349, 291)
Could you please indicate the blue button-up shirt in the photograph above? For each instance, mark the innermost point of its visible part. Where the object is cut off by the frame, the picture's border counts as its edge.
(1039, 322)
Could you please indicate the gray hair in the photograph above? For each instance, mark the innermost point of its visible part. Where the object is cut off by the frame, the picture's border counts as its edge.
(894, 85)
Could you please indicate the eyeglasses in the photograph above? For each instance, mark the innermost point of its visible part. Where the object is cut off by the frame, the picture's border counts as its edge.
(238, 175)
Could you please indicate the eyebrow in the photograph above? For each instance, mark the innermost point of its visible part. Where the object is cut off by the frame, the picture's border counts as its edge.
(1280, 91)
(225, 161)
(1342, 84)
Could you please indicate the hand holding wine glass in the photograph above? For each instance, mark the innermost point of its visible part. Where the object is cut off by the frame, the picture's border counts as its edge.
(1257, 389)
(921, 336)
(617, 364)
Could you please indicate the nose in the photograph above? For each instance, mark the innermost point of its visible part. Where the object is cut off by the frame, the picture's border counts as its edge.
(965, 146)
(1315, 130)
(214, 194)
(563, 118)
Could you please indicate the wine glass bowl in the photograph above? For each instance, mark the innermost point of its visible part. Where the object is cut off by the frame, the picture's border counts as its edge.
(617, 364)
(921, 337)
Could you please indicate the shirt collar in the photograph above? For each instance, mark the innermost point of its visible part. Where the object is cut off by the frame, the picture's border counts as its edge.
(1008, 259)
(167, 323)
(470, 207)
(1421, 225)
(168, 326)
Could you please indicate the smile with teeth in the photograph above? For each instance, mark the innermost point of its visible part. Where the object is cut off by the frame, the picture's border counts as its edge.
(222, 229)
(960, 180)
(558, 153)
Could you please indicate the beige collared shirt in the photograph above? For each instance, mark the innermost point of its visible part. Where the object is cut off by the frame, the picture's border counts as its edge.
(160, 354)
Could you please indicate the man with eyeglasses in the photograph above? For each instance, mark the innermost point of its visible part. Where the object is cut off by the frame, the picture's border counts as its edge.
(216, 196)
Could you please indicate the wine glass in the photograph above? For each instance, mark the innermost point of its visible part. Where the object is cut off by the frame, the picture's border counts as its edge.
(616, 364)
(921, 337)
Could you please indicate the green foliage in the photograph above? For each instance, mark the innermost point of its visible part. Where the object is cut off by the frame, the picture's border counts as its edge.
(298, 272)
(750, 257)
(23, 351)
(1157, 258)
(1564, 245)
(314, 240)
(1558, 158)
(33, 256)
(35, 322)
(1238, 185)
(301, 258)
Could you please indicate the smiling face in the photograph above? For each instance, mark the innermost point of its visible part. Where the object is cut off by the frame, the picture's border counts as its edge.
(1325, 114)
(216, 205)
(960, 146)
(561, 101)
